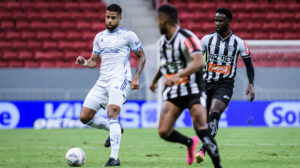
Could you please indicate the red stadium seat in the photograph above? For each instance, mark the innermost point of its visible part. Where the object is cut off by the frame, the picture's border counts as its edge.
(266, 7)
(50, 45)
(42, 5)
(281, 7)
(23, 25)
(7, 24)
(88, 35)
(10, 55)
(71, 5)
(27, 5)
(269, 26)
(28, 35)
(98, 26)
(208, 6)
(43, 35)
(39, 25)
(13, 5)
(25, 55)
(71, 55)
(254, 26)
(246, 35)
(31, 64)
(5, 14)
(252, 7)
(65, 45)
(68, 25)
(4, 44)
(260, 35)
(258, 17)
(13, 35)
(34, 44)
(85, 25)
(242, 16)
(285, 26)
(15, 64)
(80, 45)
(3, 64)
(47, 15)
(33, 15)
(47, 64)
(54, 54)
(57, 5)
(296, 26)
(95, 15)
(238, 7)
(63, 15)
(276, 35)
(58, 35)
(53, 25)
(272, 16)
(19, 44)
(290, 35)
(74, 35)
(63, 64)
(87, 5)
(41, 55)
(286, 16)
(241, 26)
(19, 15)
(2, 35)
(77, 15)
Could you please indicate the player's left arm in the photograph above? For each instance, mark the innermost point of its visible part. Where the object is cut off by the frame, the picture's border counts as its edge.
(141, 63)
(192, 45)
(250, 71)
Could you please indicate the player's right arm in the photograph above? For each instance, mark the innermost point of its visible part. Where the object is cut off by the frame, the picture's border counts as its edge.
(95, 57)
(90, 63)
(154, 85)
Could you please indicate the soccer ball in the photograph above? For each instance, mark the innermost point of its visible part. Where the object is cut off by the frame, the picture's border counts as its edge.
(75, 157)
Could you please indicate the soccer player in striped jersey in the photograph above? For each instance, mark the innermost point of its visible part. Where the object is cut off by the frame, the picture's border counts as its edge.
(180, 63)
(113, 46)
(222, 49)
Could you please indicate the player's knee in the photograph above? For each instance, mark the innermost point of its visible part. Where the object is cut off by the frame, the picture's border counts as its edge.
(163, 133)
(113, 111)
(85, 118)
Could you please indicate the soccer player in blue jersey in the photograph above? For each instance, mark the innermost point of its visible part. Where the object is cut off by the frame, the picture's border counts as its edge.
(113, 47)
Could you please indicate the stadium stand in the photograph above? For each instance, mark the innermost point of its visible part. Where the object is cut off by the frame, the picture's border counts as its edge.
(254, 20)
(37, 31)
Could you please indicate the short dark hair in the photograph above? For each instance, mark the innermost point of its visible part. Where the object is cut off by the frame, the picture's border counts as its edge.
(170, 11)
(114, 8)
(225, 11)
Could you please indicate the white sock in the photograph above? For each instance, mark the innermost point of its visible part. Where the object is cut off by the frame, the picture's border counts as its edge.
(115, 137)
(99, 122)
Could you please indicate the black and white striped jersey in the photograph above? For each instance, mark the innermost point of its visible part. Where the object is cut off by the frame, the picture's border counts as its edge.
(222, 55)
(175, 56)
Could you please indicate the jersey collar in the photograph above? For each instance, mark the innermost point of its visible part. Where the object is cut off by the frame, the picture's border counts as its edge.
(174, 35)
(114, 30)
(225, 37)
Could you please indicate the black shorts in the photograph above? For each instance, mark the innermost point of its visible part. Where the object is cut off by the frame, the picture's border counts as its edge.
(221, 90)
(187, 101)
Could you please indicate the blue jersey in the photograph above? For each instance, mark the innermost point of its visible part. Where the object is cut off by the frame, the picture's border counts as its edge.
(114, 50)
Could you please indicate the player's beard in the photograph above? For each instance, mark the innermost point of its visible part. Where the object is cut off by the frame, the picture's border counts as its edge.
(163, 30)
(112, 27)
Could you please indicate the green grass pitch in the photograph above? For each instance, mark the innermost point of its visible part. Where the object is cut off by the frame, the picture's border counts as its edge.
(142, 148)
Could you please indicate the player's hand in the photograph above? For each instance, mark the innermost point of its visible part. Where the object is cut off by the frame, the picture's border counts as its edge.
(250, 90)
(80, 60)
(153, 86)
(172, 80)
(135, 83)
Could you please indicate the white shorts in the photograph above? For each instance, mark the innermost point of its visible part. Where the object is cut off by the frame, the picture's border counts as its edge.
(104, 93)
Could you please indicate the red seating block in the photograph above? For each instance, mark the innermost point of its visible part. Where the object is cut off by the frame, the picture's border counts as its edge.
(19, 15)
(47, 64)
(71, 55)
(43, 35)
(25, 55)
(88, 35)
(31, 64)
(254, 26)
(19, 44)
(41, 55)
(71, 5)
(63, 15)
(285, 26)
(13, 5)
(50, 45)
(39, 25)
(273, 16)
(3, 64)
(33, 15)
(15, 64)
(5, 14)
(98, 26)
(42, 5)
(13, 35)
(74, 35)
(85, 25)
(53, 25)
(290, 35)
(270, 26)
(7, 24)
(63, 64)
(47, 15)
(28, 35)
(34, 44)
(80, 45)
(5, 44)
(10, 55)
(68, 25)
(57, 5)
(260, 35)
(276, 35)
(58, 35)
(77, 15)
(23, 25)
(54, 54)
(65, 45)
(281, 7)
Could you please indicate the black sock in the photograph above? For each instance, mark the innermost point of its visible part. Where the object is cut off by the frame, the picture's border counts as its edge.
(211, 146)
(213, 123)
(176, 136)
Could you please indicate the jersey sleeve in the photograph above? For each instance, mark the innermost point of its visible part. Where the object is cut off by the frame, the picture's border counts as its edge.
(244, 50)
(192, 43)
(133, 42)
(203, 44)
(96, 48)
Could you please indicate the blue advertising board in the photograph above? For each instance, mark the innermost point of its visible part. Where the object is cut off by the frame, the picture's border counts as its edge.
(144, 114)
